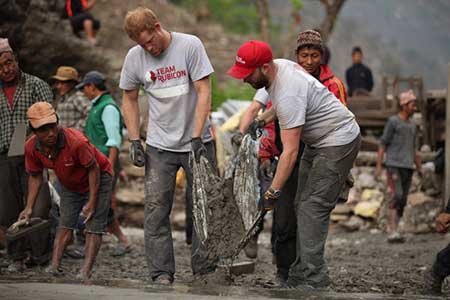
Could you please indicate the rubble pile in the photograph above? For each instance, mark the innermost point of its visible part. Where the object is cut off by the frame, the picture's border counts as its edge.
(368, 202)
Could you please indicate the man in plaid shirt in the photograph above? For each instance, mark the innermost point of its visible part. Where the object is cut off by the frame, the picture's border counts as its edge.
(18, 91)
(72, 106)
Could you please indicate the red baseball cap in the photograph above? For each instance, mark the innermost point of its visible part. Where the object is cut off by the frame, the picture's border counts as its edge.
(250, 56)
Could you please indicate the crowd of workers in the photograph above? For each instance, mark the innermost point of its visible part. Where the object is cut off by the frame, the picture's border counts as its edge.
(313, 138)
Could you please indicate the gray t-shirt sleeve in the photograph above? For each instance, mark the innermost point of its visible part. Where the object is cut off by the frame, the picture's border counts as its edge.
(388, 132)
(198, 62)
(262, 96)
(288, 117)
(129, 79)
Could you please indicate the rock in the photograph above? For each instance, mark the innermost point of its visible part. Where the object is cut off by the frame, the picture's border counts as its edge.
(353, 224)
(420, 213)
(372, 195)
(342, 209)
(367, 209)
(338, 218)
(130, 196)
(375, 231)
(416, 199)
(425, 148)
(178, 220)
(430, 182)
(134, 171)
(366, 180)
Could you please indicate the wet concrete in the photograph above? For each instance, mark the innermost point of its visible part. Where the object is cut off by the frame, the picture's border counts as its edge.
(214, 196)
(124, 289)
(362, 266)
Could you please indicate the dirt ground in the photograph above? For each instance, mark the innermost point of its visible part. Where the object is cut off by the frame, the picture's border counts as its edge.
(359, 262)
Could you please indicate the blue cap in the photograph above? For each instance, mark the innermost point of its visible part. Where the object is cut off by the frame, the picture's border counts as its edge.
(92, 77)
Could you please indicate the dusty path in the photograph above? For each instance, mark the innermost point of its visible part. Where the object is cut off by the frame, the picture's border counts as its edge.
(360, 262)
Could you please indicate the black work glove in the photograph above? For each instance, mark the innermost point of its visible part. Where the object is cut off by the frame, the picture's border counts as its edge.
(236, 140)
(254, 127)
(198, 148)
(269, 199)
(137, 154)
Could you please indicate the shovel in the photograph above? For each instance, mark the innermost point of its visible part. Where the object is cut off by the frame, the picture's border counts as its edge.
(251, 232)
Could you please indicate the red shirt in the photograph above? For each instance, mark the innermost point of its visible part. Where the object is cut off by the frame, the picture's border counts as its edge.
(9, 92)
(333, 84)
(74, 157)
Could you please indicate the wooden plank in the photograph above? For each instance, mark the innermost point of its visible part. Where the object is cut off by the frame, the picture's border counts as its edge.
(447, 140)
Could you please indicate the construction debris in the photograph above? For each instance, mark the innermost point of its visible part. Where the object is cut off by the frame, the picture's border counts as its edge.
(369, 199)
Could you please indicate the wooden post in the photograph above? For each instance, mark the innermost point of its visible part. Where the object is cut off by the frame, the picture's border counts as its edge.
(447, 140)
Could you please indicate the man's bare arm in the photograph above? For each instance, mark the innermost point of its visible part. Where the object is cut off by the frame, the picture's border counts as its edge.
(268, 116)
(380, 156)
(113, 155)
(418, 162)
(249, 115)
(291, 141)
(203, 89)
(130, 110)
(34, 184)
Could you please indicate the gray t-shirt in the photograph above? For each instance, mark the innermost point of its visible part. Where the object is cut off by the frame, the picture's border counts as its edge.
(399, 142)
(168, 81)
(262, 97)
(299, 99)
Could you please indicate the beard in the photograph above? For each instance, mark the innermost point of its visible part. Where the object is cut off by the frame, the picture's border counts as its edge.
(263, 81)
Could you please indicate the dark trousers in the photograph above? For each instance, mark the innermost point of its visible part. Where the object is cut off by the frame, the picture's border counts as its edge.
(161, 167)
(13, 191)
(285, 226)
(77, 22)
(441, 266)
(399, 181)
(322, 173)
(189, 219)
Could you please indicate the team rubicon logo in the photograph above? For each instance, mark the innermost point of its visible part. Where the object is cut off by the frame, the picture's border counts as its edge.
(240, 60)
(164, 74)
(150, 76)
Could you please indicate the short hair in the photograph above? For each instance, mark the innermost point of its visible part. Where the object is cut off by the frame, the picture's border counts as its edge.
(138, 20)
(356, 49)
(310, 46)
(101, 86)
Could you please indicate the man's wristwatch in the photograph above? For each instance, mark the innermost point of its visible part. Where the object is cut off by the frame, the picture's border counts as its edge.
(276, 193)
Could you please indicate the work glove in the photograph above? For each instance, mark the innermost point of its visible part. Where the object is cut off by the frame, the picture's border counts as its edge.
(137, 153)
(236, 140)
(269, 199)
(254, 127)
(198, 148)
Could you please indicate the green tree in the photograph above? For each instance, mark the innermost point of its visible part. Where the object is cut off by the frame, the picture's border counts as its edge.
(238, 16)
